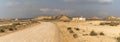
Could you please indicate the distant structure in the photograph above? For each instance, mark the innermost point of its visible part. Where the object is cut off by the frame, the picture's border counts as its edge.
(78, 19)
(110, 18)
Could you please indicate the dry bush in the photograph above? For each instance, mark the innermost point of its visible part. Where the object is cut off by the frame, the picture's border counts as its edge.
(101, 33)
(118, 39)
(12, 29)
(75, 35)
(92, 33)
(70, 30)
(77, 29)
(2, 30)
(85, 34)
(110, 23)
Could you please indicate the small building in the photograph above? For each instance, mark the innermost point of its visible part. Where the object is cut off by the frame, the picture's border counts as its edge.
(78, 19)
(110, 18)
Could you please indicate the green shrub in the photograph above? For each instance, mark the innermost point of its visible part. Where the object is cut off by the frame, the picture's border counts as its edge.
(92, 33)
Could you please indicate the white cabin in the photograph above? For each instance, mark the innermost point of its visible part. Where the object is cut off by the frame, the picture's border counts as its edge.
(78, 19)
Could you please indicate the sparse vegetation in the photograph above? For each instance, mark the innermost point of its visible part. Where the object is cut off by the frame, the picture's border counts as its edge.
(77, 29)
(85, 34)
(118, 39)
(15, 25)
(93, 33)
(12, 29)
(75, 35)
(110, 23)
(101, 33)
(2, 30)
(114, 24)
(70, 30)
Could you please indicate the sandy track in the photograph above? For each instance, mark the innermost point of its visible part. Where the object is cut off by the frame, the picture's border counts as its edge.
(44, 32)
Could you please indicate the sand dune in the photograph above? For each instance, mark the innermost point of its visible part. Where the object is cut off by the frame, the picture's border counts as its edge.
(44, 32)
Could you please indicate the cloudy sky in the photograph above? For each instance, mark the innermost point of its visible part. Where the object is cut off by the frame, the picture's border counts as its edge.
(34, 8)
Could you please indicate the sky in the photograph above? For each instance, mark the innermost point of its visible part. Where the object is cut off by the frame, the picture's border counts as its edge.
(34, 8)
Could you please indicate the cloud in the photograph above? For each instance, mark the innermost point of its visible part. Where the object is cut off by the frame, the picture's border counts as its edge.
(90, 1)
(60, 11)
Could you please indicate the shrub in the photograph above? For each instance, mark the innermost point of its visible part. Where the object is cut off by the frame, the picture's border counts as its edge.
(114, 24)
(71, 31)
(75, 35)
(118, 39)
(110, 23)
(16, 24)
(85, 34)
(69, 28)
(92, 33)
(102, 23)
(77, 29)
(2, 30)
(101, 33)
(12, 29)
(90, 23)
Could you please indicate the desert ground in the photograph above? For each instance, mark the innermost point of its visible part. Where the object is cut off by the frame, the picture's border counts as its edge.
(65, 32)
(83, 34)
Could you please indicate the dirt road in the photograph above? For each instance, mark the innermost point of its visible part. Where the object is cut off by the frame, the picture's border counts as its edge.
(44, 32)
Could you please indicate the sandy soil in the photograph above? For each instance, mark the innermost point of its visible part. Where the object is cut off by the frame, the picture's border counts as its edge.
(44, 32)
(57, 32)
(111, 32)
